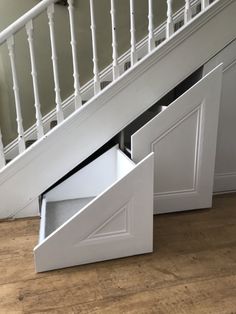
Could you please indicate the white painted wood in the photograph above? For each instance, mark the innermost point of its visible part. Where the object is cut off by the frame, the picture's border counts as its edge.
(163, 108)
(115, 65)
(225, 170)
(151, 38)
(94, 178)
(123, 164)
(97, 85)
(2, 156)
(60, 115)
(20, 129)
(133, 50)
(183, 138)
(87, 89)
(39, 122)
(80, 139)
(118, 223)
(204, 4)
(24, 19)
(187, 11)
(42, 220)
(169, 21)
(78, 99)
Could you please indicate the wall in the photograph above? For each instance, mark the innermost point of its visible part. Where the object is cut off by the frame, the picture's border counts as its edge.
(11, 9)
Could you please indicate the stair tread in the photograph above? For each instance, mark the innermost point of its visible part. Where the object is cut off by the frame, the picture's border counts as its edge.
(57, 213)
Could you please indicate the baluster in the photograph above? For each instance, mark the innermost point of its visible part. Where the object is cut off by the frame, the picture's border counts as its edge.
(2, 157)
(169, 22)
(97, 85)
(20, 129)
(78, 99)
(60, 115)
(134, 56)
(151, 40)
(39, 121)
(187, 11)
(114, 41)
(204, 4)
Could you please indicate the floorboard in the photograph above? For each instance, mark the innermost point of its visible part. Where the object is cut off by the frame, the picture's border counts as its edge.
(192, 270)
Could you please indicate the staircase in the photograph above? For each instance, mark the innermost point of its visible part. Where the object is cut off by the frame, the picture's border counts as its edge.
(153, 98)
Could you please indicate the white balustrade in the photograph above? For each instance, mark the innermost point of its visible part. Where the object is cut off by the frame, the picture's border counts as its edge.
(134, 55)
(20, 129)
(2, 157)
(115, 66)
(77, 94)
(27, 21)
(24, 19)
(151, 39)
(204, 4)
(169, 22)
(97, 85)
(187, 11)
(60, 115)
(39, 121)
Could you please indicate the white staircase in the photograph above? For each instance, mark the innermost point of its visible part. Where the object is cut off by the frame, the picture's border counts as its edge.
(89, 214)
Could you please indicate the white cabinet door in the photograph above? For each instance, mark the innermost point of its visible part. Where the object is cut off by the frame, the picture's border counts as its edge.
(225, 170)
(183, 138)
(118, 222)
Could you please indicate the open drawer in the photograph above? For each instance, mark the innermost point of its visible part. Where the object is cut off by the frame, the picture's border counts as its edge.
(103, 211)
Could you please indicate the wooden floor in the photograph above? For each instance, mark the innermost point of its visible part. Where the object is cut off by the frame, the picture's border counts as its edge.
(192, 270)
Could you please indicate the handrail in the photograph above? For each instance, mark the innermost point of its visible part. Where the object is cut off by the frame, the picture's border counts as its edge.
(25, 18)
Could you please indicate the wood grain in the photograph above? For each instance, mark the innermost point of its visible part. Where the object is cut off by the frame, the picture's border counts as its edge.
(192, 270)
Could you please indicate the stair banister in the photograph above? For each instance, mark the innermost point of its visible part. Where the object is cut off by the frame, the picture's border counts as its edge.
(151, 38)
(169, 22)
(27, 20)
(20, 129)
(73, 42)
(60, 115)
(39, 121)
(21, 22)
(187, 11)
(97, 85)
(2, 157)
(134, 56)
(115, 66)
(204, 4)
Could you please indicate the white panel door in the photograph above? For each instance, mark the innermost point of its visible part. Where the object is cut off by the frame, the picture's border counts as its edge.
(225, 170)
(183, 138)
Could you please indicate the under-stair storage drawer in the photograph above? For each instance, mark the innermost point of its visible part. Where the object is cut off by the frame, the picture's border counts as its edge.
(103, 211)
